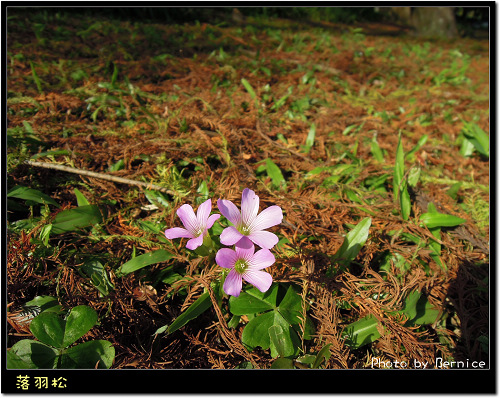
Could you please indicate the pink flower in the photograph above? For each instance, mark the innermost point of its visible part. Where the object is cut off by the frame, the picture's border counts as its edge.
(196, 226)
(248, 223)
(245, 264)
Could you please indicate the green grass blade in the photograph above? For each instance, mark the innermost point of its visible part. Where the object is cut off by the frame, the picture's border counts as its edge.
(433, 220)
(404, 201)
(250, 90)
(361, 332)
(31, 195)
(144, 260)
(80, 199)
(375, 150)
(310, 139)
(202, 304)
(421, 142)
(275, 173)
(399, 168)
(353, 242)
(37, 80)
(72, 220)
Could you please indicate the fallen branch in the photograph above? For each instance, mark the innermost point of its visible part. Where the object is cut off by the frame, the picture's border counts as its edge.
(107, 177)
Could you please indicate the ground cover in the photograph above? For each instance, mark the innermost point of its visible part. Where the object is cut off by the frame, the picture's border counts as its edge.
(373, 143)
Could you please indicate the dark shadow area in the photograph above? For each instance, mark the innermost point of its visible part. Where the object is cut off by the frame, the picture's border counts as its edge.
(471, 22)
(469, 295)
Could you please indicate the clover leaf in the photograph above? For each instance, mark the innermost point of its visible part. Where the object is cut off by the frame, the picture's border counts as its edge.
(271, 316)
(53, 330)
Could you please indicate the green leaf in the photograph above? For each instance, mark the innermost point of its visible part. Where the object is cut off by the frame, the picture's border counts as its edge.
(375, 149)
(478, 137)
(291, 306)
(36, 79)
(119, 165)
(31, 195)
(53, 330)
(250, 90)
(31, 354)
(234, 321)
(421, 142)
(404, 201)
(75, 219)
(453, 191)
(98, 275)
(202, 304)
(254, 301)
(307, 359)
(89, 354)
(348, 129)
(282, 363)
(414, 176)
(434, 245)
(353, 242)
(144, 260)
(365, 331)
(51, 153)
(277, 337)
(16, 362)
(48, 327)
(361, 332)
(422, 312)
(323, 354)
(275, 173)
(467, 148)
(310, 139)
(410, 306)
(432, 220)
(157, 198)
(399, 168)
(256, 332)
(203, 191)
(114, 77)
(45, 234)
(80, 199)
(79, 321)
(45, 303)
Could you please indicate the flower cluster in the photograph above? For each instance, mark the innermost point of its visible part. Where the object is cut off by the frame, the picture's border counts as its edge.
(248, 228)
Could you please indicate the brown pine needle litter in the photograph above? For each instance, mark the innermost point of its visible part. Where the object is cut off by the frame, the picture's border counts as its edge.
(140, 126)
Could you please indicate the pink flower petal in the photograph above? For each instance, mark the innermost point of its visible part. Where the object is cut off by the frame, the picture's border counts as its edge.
(267, 218)
(230, 236)
(226, 258)
(211, 220)
(203, 212)
(229, 210)
(249, 206)
(245, 248)
(264, 239)
(261, 259)
(260, 279)
(173, 233)
(233, 284)
(189, 220)
(195, 242)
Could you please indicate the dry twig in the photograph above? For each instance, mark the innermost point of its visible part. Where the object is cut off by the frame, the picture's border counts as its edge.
(107, 177)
